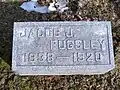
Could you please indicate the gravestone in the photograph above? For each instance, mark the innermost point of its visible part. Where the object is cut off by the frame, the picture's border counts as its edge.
(62, 48)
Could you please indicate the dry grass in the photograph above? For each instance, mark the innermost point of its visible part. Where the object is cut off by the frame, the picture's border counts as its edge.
(79, 10)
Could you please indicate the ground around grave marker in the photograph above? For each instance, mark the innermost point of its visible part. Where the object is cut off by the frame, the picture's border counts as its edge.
(103, 10)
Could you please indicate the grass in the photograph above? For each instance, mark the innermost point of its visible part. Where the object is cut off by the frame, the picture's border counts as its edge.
(93, 10)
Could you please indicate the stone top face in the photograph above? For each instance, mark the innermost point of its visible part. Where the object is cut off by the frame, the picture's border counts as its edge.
(62, 48)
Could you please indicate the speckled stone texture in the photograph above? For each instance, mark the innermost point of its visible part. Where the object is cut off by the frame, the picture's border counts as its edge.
(62, 48)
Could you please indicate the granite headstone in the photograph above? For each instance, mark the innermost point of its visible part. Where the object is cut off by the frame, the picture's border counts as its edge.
(62, 48)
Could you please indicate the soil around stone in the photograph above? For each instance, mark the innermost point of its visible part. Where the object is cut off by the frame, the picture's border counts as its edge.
(100, 10)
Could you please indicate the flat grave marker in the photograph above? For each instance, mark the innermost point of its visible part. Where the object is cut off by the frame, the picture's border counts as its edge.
(62, 48)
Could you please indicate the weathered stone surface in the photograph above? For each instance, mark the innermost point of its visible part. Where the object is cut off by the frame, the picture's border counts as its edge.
(62, 48)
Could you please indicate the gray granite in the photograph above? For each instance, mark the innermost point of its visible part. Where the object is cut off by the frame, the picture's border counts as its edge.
(62, 48)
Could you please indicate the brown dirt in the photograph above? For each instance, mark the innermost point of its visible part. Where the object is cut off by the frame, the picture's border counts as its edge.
(100, 10)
